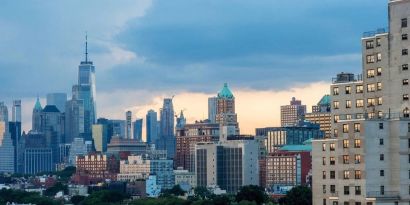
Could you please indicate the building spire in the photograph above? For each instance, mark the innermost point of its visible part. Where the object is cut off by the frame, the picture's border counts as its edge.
(86, 48)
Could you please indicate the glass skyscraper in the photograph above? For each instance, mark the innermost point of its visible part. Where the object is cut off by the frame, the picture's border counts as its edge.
(152, 127)
(167, 137)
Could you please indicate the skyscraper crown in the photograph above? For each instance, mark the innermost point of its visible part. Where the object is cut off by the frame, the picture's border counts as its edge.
(225, 92)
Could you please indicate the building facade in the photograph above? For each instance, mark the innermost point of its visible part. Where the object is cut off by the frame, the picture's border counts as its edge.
(6, 144)
(137, 129)
(321, 114)
(57, 99)
(151, 127)
(95, 168)
(291, 114)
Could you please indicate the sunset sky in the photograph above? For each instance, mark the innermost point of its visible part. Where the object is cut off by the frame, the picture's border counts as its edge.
(144, 50)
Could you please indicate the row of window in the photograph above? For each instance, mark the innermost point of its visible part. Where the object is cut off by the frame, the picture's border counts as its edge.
(371, 73)
(348, 203)
(371, 87)
(357, 189)
(373, 58)
(346, 159)
(359, 103)
(357, 127)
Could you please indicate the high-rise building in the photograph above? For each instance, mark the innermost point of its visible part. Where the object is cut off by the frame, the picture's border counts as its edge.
(225, 108)
(321, 114)
(118, 128)
(36, 118)
(57, 99)
(95, 168)
(167, 136)
(137, 129)
(128, 128)
(16, 113)
(36, 155)
(100, 137)
(15, 129)
(78, 147)
(212, 104)
(229, 164)
(74, 119)
(6, 144)
(52, 126)
(291, 114)
(151, 127)
(366, 159)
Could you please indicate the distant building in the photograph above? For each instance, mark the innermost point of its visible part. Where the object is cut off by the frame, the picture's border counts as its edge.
(212, 104)
(6, 143)
(37, 155)
(74, 119)
(151, 127)
(128, 128)
(118, 128)
(16, 112)
(36, 119)
(185, 179)
(225, 109)
(138, 130)
(100, 137)
(78, 147)
(321, 115)
(152, 187)
(95, 168)
(291, 114)
(167, 136)
(118, 145)
(57, 99)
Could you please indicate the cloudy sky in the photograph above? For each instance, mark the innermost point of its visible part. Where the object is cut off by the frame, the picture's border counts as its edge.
(144, 50)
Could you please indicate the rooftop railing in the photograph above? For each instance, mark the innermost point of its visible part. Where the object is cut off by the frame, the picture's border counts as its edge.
(376, 32)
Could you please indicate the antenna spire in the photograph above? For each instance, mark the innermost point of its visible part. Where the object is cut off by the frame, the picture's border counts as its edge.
(86, 48)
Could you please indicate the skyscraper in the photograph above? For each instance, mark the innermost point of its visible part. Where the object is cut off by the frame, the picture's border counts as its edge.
(100, 137)
(138, 129)
(16, 113)
(181, 120)
(128, 128)
(212, 104)
(291, 114)
(74, 119)
(151, 127)
(167, 136)
(225, 109)
(57, 99)
(15, 129)
(6, 144)
(36, 118)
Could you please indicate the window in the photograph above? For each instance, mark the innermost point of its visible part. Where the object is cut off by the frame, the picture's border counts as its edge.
(348, 89)
(345, 159)
(405, 81)
(404, 37)
(357, 203)
(336, 118)
(359, 103)
(382, 173)
(348, 117)
(356, 127)
(406, 97)
(406, 113)
(379, 100)
(379, 57)
(371, 87)
(335, 91)
(357, 143)
(357, 190)
(332, 175)
(335, 133)
(357, 159)
(324, 160)
(332, 189)
(405, 67)
(332, 161)
(370, 59)
(409, 158)
(332, 146)
(346, 190)
(324, 175)
(359, 88)
(346, 174)
(357, 174)
(381, 190)
(379, 86)
(371, 102)
(404, 22)
(381, 141)
(323, 147)
(336, 104)
(369, 44)
(379, 71)
(324, 189)
(345, 143)
(381, 157)
(370, 115)
(335, 203)
(324, 200)
(359, 116)
(408, 143)
(370, 73)
(378, 42)
(381, 126)
(348, 104)
(345, 128)
(404, 52)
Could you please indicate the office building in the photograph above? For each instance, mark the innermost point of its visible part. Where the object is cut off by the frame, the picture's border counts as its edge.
(167, 136)
(366, 159)
(95, 168)
(57, 99)
(16, 112)
(118, 128)
(185, 179)
(15, 129)
(100, 137)
(212, 104)
(186, 138)
(291, 114)
(36, 119)
(6, 144)
(74, 119)
(36, 154)
(128, 128)
(137, 130)
(151, 127)
(77, 147)
(131, 146)
(321, 114)
(225, 108)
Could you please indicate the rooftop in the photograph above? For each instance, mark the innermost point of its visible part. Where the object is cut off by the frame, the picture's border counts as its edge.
(225, 92)
(50, 108)
(378, 31)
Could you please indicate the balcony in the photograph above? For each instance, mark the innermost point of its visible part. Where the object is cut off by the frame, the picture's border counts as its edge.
(334, 196)
(387, 195)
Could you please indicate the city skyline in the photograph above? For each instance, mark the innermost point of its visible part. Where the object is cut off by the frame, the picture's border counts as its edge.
(117, 55)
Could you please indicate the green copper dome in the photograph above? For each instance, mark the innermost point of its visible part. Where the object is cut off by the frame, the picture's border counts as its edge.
(225, 92)
(37, 106)
(325, 100)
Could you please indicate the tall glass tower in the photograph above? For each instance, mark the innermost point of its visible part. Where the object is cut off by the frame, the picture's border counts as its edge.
(167, 137)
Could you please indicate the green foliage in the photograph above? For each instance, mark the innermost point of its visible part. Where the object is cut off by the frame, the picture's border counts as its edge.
(77, 199)
(176, 191)
(17, 196)
(245, 202)
(203, 193)
(104, 197)
(300, 195)
(169, 200)
(52, 191)
(252, 193)
(66, 174)
(221, 200)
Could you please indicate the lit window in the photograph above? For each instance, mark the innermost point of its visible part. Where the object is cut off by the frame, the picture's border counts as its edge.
(359, 103)
(348, 89)
(406, 97)
(348, 104)
(357, 143)
(378, 42)
(371, 87)
(359, 88)
(370, 73)
(332, 161)
(345, 143)
(379, 71)
(346, 174)
(379, 100)
(332, 147)
(336, 118)
(357, 174)
(345, 128)
(370, 59)
(336, 104)
(357, 127)
(369, 44)
(335, 91)
(371, 102)
(405, 81)
(357, 159)
(379, 57)
(323, 147)
(345, 159)
(379, 86)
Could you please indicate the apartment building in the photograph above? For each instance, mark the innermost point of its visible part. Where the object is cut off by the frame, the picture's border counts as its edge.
(367, 159)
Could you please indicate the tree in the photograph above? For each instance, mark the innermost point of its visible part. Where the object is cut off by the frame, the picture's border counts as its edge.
(77, 199)
(203, 193)
(52, 191)
(252, 193)
(221, 200)
(175, 190)
(300, 195)
(245, 202)
(104, 197)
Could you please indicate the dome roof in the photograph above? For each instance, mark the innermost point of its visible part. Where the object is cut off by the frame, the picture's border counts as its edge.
(37, 106)
(325, 100)
(225, 92)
